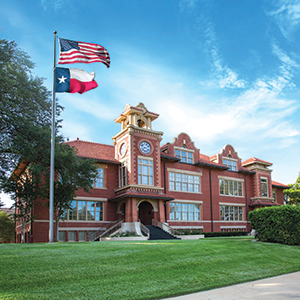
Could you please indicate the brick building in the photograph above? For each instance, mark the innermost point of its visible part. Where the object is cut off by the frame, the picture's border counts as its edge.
(140, 180)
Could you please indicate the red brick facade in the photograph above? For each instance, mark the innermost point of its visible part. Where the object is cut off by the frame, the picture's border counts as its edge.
(141, 180)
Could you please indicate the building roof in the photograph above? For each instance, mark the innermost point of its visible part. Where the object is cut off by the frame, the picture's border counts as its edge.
(207, 163)
(99, 152)
(279, 185)
(254, 159)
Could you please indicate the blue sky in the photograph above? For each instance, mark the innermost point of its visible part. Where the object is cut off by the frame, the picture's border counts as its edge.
(223, 71)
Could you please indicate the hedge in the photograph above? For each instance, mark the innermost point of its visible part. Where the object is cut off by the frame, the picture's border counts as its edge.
(279, 224)
(225, 233)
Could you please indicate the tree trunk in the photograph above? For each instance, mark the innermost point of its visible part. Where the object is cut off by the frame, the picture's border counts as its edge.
(57, 218)
(23, 231)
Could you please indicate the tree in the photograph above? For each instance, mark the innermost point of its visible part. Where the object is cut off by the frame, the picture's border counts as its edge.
(7, 228)
(25, 189)
(25, 128)
(292, 195)
(25, 140)
(72, 173)
(25, 111)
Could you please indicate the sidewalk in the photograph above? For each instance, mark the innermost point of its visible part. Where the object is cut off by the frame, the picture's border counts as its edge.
(274, 288)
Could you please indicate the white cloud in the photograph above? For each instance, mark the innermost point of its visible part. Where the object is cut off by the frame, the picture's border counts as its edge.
(287, 16)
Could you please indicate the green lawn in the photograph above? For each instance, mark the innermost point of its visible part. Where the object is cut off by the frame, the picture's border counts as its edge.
(137, 270)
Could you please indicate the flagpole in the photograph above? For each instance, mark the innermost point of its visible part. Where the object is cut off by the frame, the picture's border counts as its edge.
(51, 194)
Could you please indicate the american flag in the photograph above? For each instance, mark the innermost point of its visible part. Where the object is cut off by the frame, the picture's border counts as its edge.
(80, 52)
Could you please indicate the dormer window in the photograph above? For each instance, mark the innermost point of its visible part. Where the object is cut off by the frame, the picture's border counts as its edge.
(230, 163)
(184, 154)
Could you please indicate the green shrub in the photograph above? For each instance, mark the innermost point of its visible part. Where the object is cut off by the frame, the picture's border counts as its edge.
(190, 231)
(231, 233)
(280, 224)
(125, 234)
(7, 228)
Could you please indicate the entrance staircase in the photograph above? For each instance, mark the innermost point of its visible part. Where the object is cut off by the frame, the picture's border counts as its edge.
(157, 233)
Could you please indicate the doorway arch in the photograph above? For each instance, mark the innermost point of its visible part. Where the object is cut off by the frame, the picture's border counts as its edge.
(146, 213)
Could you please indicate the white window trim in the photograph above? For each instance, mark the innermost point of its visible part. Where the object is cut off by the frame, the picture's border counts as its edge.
(176, 171)
(230, 178)
(188, 201)
(231, 204)
(266, 178)
(184, 172)
(184, 149)
(149, 159)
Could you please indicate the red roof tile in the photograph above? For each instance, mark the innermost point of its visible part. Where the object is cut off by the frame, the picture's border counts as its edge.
(94, 150)
(254, 159)
(280, 185)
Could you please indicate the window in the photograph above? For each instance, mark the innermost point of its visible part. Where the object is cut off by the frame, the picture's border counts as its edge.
(231, 213)
(85, 211)
(72, 236)
(264, 187)
(81, 236)
(231, 188)
(184, 211)
(184, 182)
(231, 164)
(123, 174)
(145, 171)
(99, 181)
(185, 156)
(61, 236)
(274, 195)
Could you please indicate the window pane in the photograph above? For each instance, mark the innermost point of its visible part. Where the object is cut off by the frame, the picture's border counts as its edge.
(90, 211)
(240, 214)
(226, 213)
(235, 188)
(172, 211)
(73, 211)
(178, 211)
(231, 213)
(221, 187)
(222, 212)
(226, 187)
(230, 187)
(145, 180)
(72, 236)
(236, 213)
(82, 236)
(62, 236)
(81, 210)
(145, 170)
(240, 186)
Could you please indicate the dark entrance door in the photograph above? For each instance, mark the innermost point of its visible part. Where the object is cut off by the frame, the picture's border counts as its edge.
(146, 213)
(123, 209)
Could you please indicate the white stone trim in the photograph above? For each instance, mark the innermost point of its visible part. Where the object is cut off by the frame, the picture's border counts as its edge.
(231, 204)
(90, 199)
(230, 178)
(187, 201)
(184, 172)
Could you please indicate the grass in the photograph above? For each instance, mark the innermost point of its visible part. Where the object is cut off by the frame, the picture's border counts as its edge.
(137, 270)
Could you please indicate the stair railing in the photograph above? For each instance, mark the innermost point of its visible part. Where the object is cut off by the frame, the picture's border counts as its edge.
(145, 229)
(166, 228)
(110, 229)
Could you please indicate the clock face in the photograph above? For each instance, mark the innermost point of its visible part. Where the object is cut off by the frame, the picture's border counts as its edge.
(145, 147)
(123, 149)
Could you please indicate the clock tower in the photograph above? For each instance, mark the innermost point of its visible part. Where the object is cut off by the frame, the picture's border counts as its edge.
(140, 195)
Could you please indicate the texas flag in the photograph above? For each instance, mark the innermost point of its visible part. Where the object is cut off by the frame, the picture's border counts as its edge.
(74, 80)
